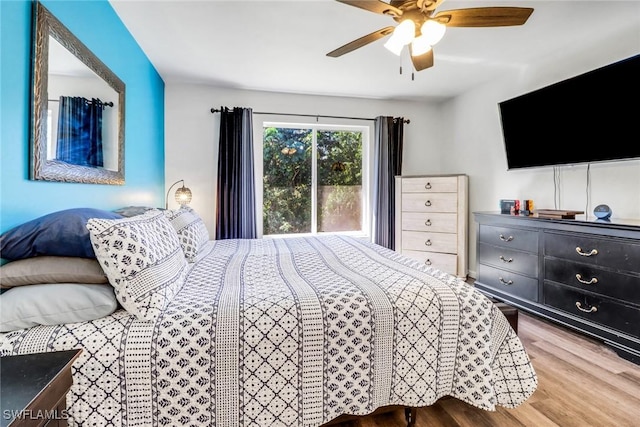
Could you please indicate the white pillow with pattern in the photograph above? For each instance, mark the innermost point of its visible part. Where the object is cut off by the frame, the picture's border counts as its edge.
(143, 260)
(192, 232)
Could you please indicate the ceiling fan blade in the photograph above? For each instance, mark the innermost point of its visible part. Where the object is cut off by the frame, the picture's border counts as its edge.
(423, 61)
(374, 6)
(362, 41)
(484, 16)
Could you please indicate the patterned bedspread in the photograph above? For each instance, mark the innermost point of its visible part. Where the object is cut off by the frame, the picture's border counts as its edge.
(291, 332)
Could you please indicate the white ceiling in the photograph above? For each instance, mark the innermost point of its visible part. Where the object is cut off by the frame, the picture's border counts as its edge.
(274, 45)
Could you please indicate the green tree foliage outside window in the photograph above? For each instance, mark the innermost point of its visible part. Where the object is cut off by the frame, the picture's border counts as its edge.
(287, 180)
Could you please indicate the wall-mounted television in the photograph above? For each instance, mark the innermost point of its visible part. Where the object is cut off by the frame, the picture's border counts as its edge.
(592, 117)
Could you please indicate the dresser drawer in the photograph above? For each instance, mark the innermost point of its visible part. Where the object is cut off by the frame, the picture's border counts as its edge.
(512, 238)
(430, 184)
(593, 279)
(612, 253)
(508, 282)
(432, 242)
(509, 259)
(435, 202)
(445, 262)
(427, 221)
(594, 308)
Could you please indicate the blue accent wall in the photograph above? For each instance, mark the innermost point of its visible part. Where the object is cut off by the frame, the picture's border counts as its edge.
(98, 26)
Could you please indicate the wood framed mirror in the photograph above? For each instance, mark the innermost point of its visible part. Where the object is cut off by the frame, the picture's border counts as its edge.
(77, 116)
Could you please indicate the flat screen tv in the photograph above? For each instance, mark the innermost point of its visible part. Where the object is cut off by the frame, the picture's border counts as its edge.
(592, 117)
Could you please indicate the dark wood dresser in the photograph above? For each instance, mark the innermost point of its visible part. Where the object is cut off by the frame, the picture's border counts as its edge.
(33, 388)
(581, 274)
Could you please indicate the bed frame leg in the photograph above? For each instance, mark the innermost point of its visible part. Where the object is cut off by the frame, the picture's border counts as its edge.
(410, 415)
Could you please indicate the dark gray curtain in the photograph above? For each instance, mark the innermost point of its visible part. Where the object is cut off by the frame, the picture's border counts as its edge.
(236, 210)
(80, 131)
(387, 163)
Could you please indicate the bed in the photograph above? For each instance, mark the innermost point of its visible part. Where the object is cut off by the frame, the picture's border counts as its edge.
(286, 332)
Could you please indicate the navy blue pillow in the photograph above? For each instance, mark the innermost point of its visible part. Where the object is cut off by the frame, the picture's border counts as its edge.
(62, 233)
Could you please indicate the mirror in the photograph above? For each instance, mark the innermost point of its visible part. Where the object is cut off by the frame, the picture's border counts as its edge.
(78, 109)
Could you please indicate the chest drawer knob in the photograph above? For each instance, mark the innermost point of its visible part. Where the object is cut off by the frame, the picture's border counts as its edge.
(505, 282)
(428, 223)
(592, 252)
(427, 186)
(428, 262)
(427, 203)
(592, 309)
(428, 242)
(503, 259)
(506, 239)
(591, 281)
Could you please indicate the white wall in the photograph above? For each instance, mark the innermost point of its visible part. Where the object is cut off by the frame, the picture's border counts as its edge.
(475, 141)
(192, 131)
(460, 136)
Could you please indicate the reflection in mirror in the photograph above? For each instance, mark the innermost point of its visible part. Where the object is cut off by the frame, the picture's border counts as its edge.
(78, 105)
(82, 113)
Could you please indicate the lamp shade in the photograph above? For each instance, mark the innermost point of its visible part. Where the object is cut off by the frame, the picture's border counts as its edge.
(405, 32)
(402, 35)
(432, 32)
(183, 195)
(420, 46)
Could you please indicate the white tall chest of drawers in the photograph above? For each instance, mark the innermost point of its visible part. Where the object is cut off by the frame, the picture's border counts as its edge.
(432, 220)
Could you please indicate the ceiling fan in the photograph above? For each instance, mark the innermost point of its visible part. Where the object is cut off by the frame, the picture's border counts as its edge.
(421, 27)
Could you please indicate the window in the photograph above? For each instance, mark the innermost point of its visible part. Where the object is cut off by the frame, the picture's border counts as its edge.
(314, 179)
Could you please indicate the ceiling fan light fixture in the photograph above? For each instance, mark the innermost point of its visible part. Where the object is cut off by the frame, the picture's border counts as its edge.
(405, 32)
(419, 46)
(394, 46)
(402, 35)
(432, 31)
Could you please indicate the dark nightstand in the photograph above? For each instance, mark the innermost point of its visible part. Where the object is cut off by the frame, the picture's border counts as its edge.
(33, 388)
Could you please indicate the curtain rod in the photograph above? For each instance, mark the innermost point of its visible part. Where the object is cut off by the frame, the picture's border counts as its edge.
(407, 121)
(105, 104)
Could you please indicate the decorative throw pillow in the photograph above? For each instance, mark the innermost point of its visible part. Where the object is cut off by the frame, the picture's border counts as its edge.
(54, 304)
(143, 260)
(51, 269)
(61, 233)
(192, 232)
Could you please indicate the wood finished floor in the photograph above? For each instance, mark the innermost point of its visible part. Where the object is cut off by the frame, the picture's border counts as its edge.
(581, 383)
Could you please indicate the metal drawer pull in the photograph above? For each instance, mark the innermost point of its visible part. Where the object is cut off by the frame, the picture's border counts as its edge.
(586, 282)
(428, 223)
(593, 252)
(505, 282)
(428, 242)
(506, 239)
(593, 308)
(427, 203)
(427, 186)
(428, 262)
(503, 259)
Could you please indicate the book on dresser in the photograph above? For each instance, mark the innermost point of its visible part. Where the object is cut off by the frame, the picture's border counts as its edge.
(431, 220)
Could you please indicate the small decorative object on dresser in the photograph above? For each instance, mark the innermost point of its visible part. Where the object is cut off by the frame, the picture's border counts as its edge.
(602, 212)
(431, 220)
(34, 388)
(582, 274)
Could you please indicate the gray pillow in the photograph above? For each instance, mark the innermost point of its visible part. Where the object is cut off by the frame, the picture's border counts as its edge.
(54, 304)
(51, 269)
